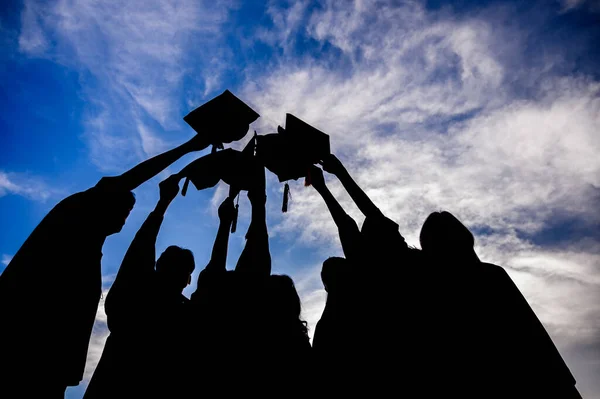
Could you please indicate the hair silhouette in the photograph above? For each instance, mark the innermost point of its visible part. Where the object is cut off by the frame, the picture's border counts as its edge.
(496, 338)
(285, 304)
(174, 266)
(437, 320)
(444, 235)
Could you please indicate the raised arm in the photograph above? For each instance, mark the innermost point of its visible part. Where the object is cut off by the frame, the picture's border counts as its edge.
(141, 256)
(347, 227)
(256, 257)
(332, 165)
(153, 166)
(218, 259)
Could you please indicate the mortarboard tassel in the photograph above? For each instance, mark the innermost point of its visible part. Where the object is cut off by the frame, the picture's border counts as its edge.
(286, 195)
(307, 180)
(235, 215)
(185, 186)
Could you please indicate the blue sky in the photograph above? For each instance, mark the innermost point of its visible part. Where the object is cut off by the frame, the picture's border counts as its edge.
(490, 110)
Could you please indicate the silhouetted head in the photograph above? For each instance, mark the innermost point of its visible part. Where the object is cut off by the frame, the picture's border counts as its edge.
(175, 267)
(443, 236)
(381, 238)
(113, 211)
(330, 272)
(285, 302)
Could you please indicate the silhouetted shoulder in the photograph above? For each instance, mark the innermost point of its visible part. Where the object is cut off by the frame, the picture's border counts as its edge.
(498, 275)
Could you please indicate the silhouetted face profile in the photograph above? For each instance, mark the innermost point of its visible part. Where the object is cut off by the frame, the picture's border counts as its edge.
(330, 273)
(381, 238)
(284, 297)
(443, 235)
(175, 266)
(114, 210)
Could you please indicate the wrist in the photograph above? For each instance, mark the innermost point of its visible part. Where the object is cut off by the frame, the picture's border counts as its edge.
(162, 205)
(257, 199)
(341, 172)
(224, 224)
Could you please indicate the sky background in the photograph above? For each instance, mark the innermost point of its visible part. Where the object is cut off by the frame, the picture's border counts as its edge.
(487, 109)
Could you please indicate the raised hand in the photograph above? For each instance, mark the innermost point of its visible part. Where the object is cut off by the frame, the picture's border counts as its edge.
(169, 188)
(331, 164)
(226, 210)
(197, 143)
(316, 176)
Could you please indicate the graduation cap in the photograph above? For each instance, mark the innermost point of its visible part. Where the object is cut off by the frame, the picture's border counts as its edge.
(224, 119)
(233, 167)
(292, 151)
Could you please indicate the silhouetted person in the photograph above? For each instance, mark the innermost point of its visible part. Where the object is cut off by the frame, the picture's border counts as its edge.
(145, 309)
(255, 259)
(286, 343)
(211, 317)
(334, 326)
(49, 292)
(377, 283)
(228, 307)
(350, 236)
(488, 341)
(250, 313)
(333, 334)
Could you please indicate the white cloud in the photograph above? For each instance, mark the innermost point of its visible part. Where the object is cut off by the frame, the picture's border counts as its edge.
(591, 5)
(33, 40)
(100, 333)
(25, 185)
(425, 118)
(6, 259)
(421, 107)
(151, 143)
(139, 52)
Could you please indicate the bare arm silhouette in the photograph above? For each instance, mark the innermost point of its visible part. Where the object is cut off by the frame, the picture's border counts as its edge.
(256, 257)
(218, 259)
(141, 255)
(332, 165)
(347, 227)
(146, 170)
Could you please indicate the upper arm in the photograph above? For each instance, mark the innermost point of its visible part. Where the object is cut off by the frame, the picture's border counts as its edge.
(138, 263)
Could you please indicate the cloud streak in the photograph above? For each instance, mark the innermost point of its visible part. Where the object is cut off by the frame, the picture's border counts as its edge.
(429, 110)
(134, 56)
(423, 110)
(26, 186)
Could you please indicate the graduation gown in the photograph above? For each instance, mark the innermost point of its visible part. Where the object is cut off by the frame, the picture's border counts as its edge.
(49, 295)
(142, 353)
(486, 341)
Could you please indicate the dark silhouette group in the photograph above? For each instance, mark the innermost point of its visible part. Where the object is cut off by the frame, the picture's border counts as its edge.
(398, 321)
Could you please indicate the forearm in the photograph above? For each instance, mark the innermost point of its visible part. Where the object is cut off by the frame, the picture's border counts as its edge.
(336, 210)
(256, 256)
(218, 259)
(258, 222)
(347, 228)
(360, 198)
(139, 259)
(151, 167)
(161, 207)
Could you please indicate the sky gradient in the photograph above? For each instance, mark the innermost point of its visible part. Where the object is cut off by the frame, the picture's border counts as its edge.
(490, 110)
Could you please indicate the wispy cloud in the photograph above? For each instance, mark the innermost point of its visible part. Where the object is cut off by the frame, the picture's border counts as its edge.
(136, 55)
(6, 259)
(591, 5)
(422, 108)
(25, 185)
(99, 335)
(428, 110)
